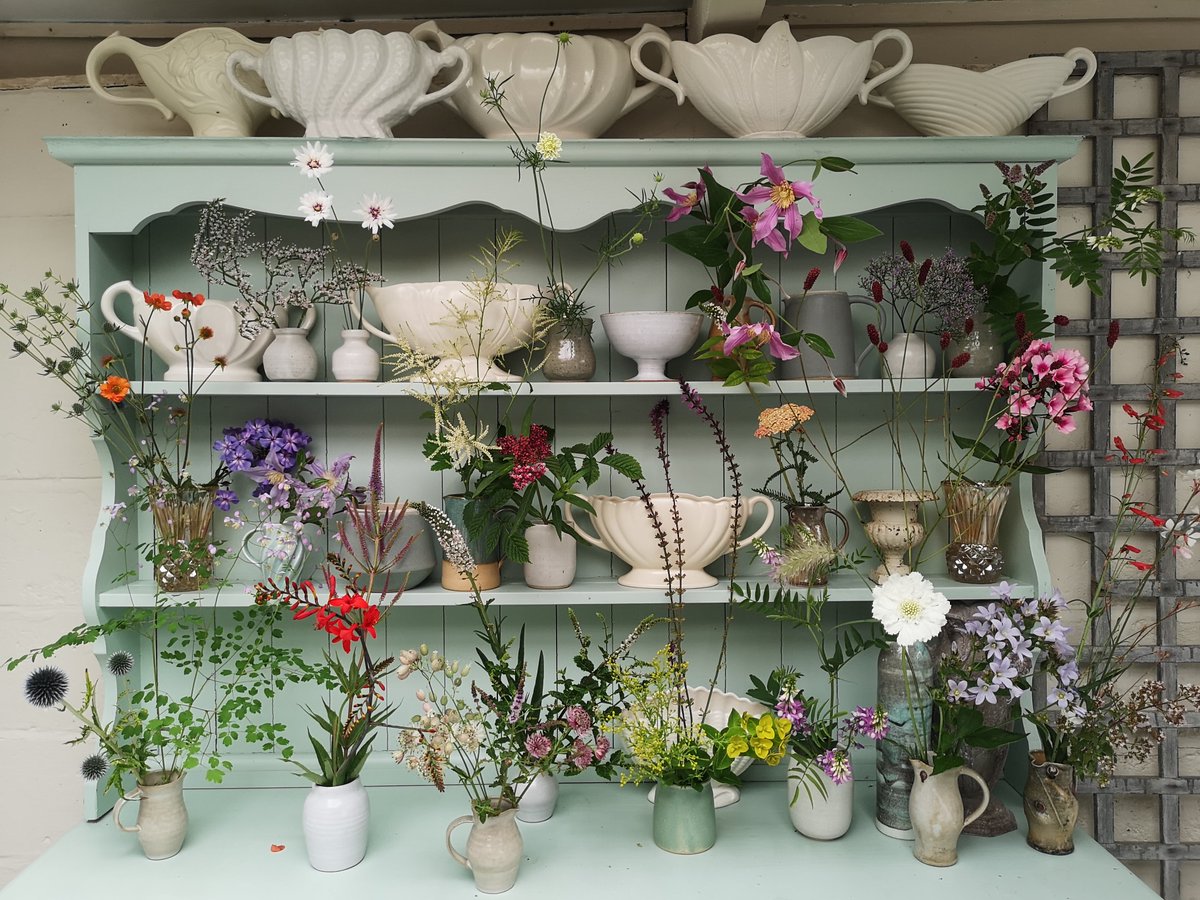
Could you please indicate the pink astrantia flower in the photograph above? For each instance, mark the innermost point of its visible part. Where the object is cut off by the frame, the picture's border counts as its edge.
(538, 745)
(736, 335)
(782, 198)
(577, 717)
(685, 202)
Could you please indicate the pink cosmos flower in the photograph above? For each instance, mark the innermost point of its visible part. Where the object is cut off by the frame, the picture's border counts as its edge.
(736, 335)
(685, 203)
(781, 197)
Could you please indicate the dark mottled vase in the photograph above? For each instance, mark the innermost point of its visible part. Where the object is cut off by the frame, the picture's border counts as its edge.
(910, 710)
(1050, 806)
(570, 355)
(974, 510)
(808, 526)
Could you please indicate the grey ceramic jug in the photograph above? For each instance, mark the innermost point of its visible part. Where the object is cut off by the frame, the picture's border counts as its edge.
(826, 313)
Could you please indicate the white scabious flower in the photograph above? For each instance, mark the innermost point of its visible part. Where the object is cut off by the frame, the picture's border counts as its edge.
(549, 145)
(909, 608)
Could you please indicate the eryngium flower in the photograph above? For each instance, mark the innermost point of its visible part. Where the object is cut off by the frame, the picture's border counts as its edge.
(46, 686)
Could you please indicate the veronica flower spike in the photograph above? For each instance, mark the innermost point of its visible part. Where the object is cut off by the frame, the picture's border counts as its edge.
(781, 197)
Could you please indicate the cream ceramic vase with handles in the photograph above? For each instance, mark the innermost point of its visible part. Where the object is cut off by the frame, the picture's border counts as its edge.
(778, 87)
(186, 77)
(494, 849)
(624, 528)
(162, 820)
(348, 84)
(165, 336)
(579, 97)
(936, 809)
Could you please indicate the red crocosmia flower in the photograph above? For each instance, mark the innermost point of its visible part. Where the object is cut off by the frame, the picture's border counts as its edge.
(370, 618)
(1158, 521)
(1120, 445)
(1155, 422)
(1131, 412)
(1172, 394)
(1129, 548)
(1141, 566)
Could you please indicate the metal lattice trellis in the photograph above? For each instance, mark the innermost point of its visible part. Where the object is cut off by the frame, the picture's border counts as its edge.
(1168, 588)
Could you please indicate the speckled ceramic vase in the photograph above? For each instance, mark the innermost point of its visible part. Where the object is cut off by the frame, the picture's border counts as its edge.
(1050, 806)
(894, 772)
(935, 807)
(685, 819)
(570, 355)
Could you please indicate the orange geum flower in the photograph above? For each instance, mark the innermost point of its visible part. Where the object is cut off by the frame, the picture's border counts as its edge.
(158, 301)
(114, 388)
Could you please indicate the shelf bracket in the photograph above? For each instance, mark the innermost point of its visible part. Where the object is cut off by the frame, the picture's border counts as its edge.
(707, 17)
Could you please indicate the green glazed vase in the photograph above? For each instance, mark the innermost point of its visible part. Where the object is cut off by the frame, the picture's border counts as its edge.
(685, 819)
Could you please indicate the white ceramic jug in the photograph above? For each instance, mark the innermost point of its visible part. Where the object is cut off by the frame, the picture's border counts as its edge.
(778, 87)
(348, 84)
(591, 86)
(186, 77)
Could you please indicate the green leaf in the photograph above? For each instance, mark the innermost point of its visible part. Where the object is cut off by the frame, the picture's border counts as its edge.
(849, 229)
(697, 243)
(811, 236)
(624, 464)
(818, 343)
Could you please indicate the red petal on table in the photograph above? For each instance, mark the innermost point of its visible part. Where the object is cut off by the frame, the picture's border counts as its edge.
(276, 848)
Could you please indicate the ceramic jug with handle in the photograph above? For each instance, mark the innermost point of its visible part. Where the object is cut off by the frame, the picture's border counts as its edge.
(348, 84)
(186, 77)
(576, 90)
(825, 313)
(777, 87)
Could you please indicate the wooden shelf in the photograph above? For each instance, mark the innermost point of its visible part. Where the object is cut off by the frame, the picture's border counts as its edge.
(843, 588)
(598, 844)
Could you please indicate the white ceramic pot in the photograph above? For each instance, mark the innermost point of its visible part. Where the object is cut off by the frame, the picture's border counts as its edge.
(162, 820)
(280, 550)
(494, 850)
(909, 355)
(777, 87)
(427, 315)
(946, 101)
(335, 821)
(652, 338)
(821, 816)
(624, 528)
(186, 77)
(936, 808)
(538, 802)
(348, 84)
(290, 357)
(592, 85)
(552, 557)
(355, 359)
(165, 336)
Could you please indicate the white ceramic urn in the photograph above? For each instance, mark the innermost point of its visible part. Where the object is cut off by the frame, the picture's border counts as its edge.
(777, 87)
(348, 84)
(623, 527)
(575, 90)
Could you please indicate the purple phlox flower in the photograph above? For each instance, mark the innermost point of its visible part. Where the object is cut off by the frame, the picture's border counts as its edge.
(685, 202)
(1049, 630)
(982, 692)
(1002, 591)
(956, 691)
(224, 499)
(736, 335)
(836, 764)
(289, 440)
(233, 451)
(871, 722)
(1068, 673)
(782, 198)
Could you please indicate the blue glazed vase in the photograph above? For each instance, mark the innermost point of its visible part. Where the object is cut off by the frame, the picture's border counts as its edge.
(910, 710)
(685, 819)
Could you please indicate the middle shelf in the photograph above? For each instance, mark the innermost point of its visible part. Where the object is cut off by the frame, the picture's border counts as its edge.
(843, 588)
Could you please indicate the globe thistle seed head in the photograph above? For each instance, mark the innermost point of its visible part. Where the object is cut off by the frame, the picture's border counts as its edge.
(46, 686)
(120, 663)
(94, 767)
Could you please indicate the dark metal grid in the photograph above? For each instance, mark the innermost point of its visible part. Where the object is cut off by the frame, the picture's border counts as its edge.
(1103, 127)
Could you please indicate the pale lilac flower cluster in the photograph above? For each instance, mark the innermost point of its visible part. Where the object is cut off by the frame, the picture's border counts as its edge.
(1040, 384)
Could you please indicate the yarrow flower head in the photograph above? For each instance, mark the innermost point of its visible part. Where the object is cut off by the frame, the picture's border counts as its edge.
(782, 419)
(908, 608)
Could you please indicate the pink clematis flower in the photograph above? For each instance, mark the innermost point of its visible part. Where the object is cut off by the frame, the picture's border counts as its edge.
(781, 197)
(736, 335)
(685, 203)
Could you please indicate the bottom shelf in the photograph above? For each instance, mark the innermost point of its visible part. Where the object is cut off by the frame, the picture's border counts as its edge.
(598, 844)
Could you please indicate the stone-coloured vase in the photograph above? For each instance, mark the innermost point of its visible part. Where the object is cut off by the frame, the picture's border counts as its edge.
(162, 820)
(1051, 806)
(335, 822)
(910, 711)
(808, 526)
(974, 510)
(685, 819)
(894, 528)
(570, 354)
(552, 558)
(539, 799)
(487, 562)
(936, 809)
(290, 357)
(823, 815)
(355, 359)
(909, 355)
(494, 849)
(985, 348)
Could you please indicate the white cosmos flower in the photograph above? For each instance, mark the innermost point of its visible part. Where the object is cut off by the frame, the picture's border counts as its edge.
(909, 608)
(316, 206)
(314, 159)
(549, 145)
(376, 212)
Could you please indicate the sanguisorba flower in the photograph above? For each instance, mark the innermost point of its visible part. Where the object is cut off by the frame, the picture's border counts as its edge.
(376, 213)
(317, 206)
(114, 388)
(782, 198)
(549, 146)
(782, 419)
(908, 608)
(314, 159)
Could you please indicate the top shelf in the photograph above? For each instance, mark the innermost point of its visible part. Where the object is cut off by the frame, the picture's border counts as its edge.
(854, 387)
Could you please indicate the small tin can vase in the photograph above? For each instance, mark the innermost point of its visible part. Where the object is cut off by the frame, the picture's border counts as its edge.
(904, 677)
(685, 819)
(974, 510)
(355, 360)
(335, 822)
(494, 848)
(552, 558)
(807, 526)
(935, 807)
(183, 533)
(290, 357)
(818, 807)
(570, 354)
(539, 799)
(162, 821)
(1051, 806)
